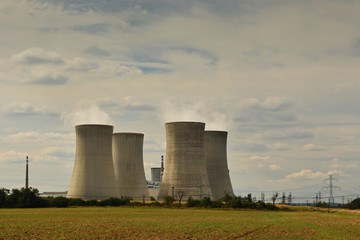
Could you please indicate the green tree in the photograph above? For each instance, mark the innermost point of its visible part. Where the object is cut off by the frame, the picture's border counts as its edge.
(168, 200)
(3, 196)
(355, 204)
(25, 198)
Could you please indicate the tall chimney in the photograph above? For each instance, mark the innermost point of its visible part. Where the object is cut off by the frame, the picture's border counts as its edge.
(27, 173)
(162, 167)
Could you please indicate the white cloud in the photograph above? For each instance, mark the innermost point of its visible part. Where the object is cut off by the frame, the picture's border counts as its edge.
(259, 158)
(274, 167)
(35, 56)
(337, 164)
(313, 147)
(279, 146)
(39, 137)
(12, 156)
(306, 174)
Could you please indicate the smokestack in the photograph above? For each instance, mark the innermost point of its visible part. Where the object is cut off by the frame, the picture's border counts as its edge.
(216, 163)
(129, 165)
(185, 170)
(27, 173)
(93, 175)
(162, 167)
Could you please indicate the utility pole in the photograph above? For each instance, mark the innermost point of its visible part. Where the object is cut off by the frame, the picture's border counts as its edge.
(289, 199)
(27, 173)
(331, 187)
(283, 199)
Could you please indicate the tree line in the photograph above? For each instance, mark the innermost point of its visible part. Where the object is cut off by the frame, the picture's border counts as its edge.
(30, 198)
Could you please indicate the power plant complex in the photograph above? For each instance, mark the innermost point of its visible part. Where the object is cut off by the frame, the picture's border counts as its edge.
(111, 164)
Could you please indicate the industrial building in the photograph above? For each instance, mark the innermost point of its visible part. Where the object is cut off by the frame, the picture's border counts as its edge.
(156, 174)
(216, 163)
(93, 175)
(127, 152)
(185, 167)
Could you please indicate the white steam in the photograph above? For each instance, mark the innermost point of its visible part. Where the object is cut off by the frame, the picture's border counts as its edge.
(198, 112)
(86, 114)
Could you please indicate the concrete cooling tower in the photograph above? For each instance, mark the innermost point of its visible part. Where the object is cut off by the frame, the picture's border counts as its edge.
(129, 165)
(185, 167)
(93, 176)
(216, 163)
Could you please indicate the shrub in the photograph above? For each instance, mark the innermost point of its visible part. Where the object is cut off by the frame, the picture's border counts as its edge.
(217, 204)
(155, 204)
(92, 202)
(168, 200)
(355, 204)
(60, 202)
(193, 202)
(115, 201)
(206, 202)
(77, 202)
(236, 202)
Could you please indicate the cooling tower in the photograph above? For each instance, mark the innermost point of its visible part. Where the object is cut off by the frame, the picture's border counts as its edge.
(216, 163)
(185, 167)
(129, 165)
(93, 176)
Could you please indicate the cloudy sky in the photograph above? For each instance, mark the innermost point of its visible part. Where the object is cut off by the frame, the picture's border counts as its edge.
(281, 76)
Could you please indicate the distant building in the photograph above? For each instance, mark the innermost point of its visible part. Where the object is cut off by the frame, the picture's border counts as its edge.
(156, 174)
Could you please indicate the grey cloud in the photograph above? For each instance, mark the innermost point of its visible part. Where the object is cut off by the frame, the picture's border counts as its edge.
(150, 70)
(356, 48)
(96, 51)
(212, 58)
(50, 80)
(48, 29)
(140, 107)
(257, 148)
(108, 104)
(251, 147)
(290, 134)
(164, 7)
(62, 154)
(150, 142)
(272, 112)
(21, 109)
(93, 29)
(26, 109)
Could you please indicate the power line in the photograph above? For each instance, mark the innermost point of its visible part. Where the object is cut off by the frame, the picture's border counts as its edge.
(331, 187)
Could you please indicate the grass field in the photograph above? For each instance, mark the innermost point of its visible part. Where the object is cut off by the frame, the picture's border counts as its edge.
(162, 223)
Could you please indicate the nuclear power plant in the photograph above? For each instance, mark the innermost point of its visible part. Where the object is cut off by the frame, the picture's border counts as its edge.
(111, 164)
(93, 175)
(185, 167)
(127, 149)
(216, 163)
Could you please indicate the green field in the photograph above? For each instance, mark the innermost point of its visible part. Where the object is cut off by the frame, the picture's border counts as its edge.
(163, 223)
